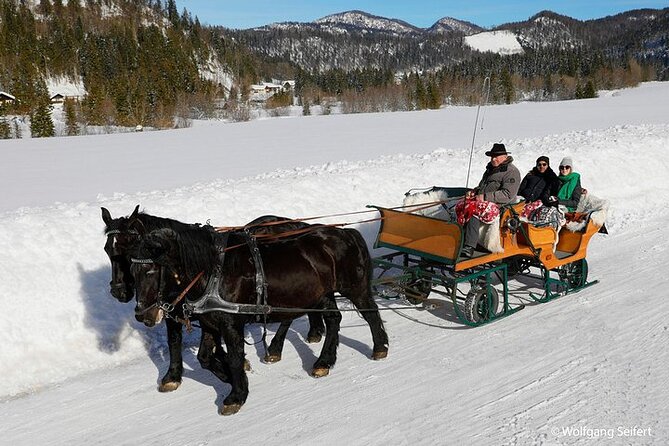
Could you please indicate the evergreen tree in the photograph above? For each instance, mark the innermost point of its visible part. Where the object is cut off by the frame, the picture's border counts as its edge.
(421, 96)
(589, 90)
(71, 117)
(508, 91)
(433, 96)
(5, 129)
(41, 124)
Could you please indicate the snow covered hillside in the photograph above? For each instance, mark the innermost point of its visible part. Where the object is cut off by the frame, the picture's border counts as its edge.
(500, 42)
(585, 369)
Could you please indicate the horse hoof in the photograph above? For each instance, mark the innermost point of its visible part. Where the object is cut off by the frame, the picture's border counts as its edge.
(271, 359)
(170, 386)
(229, 409)
(247, 365)
(319, 373)
(314, 339)
(380, 355)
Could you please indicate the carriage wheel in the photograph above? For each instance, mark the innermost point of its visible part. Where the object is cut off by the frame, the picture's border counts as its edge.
(418, 289)
(517, 265)
(575, 273)
(476, 303)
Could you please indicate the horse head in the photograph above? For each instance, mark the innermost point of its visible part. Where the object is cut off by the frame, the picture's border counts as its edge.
(121, 237)
(151, 267)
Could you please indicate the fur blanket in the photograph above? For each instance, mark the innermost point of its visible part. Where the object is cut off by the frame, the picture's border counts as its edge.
(489, 235)
(598, 209)
(445, 211)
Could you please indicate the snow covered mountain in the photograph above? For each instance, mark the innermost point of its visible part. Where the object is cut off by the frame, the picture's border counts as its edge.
(448, 24)
(364, 22)
(356, 39)
(547, 29)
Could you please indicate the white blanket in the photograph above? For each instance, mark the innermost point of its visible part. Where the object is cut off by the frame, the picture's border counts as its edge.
(597, 207)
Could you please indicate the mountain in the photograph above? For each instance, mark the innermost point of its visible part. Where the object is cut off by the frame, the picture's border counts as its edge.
(548, 29)
(364, 22)
(354, 40)
(449, 24)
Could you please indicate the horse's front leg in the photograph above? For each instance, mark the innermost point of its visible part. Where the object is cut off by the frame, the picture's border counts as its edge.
(233, 335)
(275, 348)
(211, 355)
(326, 360)
(172, 379)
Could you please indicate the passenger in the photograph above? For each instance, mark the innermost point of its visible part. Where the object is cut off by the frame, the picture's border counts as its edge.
(540, 183)
(499, 185)
(570, 190)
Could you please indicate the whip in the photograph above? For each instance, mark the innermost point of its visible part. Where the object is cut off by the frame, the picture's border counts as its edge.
(484, 100)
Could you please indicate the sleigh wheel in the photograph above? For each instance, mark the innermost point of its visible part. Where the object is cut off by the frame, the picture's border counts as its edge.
(478, 308)
(417, 290)
(575, 274)
(517, 265)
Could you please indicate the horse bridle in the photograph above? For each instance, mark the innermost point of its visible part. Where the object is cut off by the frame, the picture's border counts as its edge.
(167, 307)
(115, 232)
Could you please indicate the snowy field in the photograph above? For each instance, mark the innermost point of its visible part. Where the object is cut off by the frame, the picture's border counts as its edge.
(590, 368)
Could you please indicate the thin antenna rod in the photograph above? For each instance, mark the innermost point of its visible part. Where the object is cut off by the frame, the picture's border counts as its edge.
(485, 94)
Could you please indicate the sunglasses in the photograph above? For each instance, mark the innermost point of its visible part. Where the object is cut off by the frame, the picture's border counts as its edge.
(542, 164)
(565, 167)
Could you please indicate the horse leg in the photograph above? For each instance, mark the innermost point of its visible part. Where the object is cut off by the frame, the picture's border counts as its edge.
(172, 379)
(233, 335)
(316, 328)
(364, 302)
(316, 331)
(275, 348)
(211, 355)
(328, 355)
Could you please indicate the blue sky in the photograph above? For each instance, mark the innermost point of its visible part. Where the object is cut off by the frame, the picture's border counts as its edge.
(422, 13)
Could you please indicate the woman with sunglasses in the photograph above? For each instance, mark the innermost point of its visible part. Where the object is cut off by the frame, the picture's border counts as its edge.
(540, 183)
(570, 190)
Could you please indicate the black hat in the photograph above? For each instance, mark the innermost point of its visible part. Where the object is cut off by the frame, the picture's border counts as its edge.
(497, 149)
(544, 159)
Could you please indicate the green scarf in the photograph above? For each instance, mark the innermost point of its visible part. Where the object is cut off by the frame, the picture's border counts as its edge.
(568, 185)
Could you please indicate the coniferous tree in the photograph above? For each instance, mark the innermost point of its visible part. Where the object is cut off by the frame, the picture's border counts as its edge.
(5, 129)
(507, 86)
(589, 90)
(41, 124)
(70, 117)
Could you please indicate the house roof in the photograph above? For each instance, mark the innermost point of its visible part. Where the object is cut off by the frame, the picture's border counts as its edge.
(5, 95)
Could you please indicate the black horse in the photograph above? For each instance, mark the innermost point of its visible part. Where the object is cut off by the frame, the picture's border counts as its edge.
(301, 273)
(122, 238)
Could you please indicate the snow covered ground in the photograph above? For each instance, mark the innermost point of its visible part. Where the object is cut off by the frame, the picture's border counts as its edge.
(590, 368)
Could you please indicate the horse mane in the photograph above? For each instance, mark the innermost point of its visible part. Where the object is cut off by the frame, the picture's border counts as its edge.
(197, 249)
(152, 222)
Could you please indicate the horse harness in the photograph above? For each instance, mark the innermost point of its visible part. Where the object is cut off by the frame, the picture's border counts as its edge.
(211, 300)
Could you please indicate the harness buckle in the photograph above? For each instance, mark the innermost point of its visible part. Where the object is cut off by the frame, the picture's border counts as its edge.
(167, 307)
